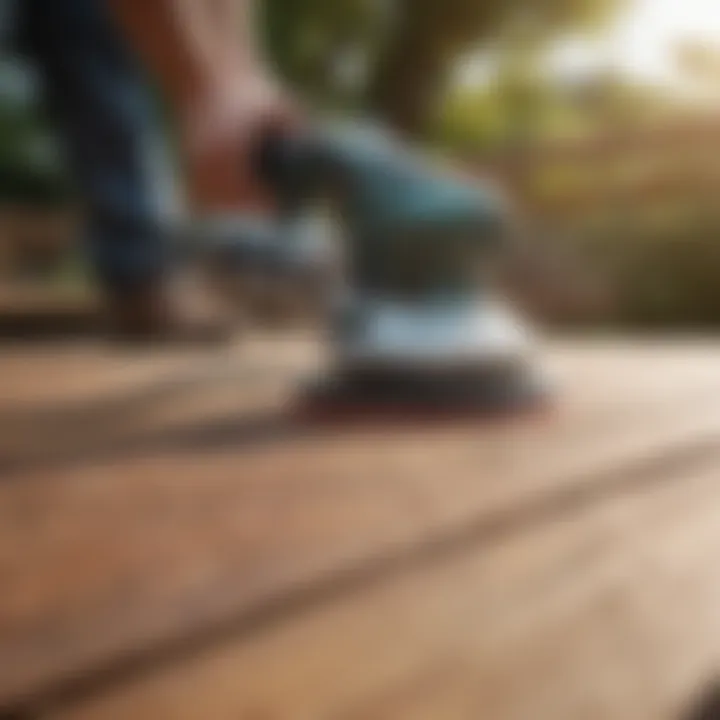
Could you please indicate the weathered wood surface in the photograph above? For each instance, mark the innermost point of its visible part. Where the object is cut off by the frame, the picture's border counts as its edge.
(173, 546)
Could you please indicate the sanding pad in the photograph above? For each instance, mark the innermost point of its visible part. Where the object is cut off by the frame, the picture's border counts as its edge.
(414, 396)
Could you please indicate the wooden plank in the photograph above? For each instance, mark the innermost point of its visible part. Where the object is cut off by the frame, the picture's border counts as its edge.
(141, 549)
(88, 401)
(609, 612)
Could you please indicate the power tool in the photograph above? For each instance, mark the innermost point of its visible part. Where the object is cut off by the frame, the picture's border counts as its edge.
(415, 326)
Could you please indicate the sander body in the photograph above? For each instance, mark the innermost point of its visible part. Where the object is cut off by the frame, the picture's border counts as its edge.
(415, 324)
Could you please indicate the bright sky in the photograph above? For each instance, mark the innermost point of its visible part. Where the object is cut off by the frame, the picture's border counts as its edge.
(641, 41)
(643, 38)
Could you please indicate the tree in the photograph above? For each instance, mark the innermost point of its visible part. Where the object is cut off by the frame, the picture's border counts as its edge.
(409, 47)
(429, 36)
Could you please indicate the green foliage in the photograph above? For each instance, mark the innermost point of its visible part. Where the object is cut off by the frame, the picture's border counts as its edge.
(517, 108)
(310, 40)
(30, 167)
(407, 46)
(472, 122)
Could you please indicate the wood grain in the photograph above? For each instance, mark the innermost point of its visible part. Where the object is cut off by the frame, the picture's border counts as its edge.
(179, 531)
(607, 613)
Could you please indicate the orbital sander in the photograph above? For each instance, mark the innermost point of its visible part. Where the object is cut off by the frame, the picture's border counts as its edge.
(415, 328)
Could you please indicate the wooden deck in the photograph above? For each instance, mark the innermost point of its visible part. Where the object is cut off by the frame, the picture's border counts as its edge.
(173, 547)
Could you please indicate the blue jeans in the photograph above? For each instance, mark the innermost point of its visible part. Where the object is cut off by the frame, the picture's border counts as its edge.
(97, 101)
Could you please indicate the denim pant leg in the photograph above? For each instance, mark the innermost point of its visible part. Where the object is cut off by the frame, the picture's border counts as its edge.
(97, 99)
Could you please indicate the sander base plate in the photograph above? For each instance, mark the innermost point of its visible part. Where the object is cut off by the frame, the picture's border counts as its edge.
(416, 396)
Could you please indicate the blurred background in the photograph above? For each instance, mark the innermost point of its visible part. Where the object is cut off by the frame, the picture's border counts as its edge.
(600, 117)
(170, 499)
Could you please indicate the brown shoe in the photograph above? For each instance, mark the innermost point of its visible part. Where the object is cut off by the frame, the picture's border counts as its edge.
(167, 313)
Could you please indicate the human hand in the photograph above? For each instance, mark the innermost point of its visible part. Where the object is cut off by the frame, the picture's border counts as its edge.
(220, 127)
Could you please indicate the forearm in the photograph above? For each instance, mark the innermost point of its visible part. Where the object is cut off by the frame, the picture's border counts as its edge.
(207, 60)
(190, 44)
(221, 34)
(240, 50)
